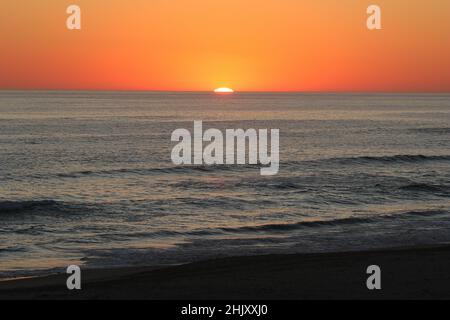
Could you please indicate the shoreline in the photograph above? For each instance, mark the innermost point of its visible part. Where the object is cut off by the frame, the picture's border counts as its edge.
(406, 273)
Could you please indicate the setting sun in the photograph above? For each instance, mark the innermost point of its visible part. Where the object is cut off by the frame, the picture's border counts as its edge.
(223, 90)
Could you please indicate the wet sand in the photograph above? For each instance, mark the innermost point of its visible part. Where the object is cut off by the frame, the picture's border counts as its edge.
(419, 273)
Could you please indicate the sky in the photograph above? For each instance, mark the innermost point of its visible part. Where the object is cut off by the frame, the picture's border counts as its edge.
(247, 45)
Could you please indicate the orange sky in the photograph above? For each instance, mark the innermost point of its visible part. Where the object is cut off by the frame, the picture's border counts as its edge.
(248, 45)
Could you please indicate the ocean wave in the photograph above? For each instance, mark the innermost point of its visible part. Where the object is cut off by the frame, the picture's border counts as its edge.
(46, 207)
(403, 158)
(297, 225)
(435, 130)
(12, 249)
(363, 160)
(280, 227)
(22, 206)
(424, 187)
(286, 165)
(154, 170)
(332, 222)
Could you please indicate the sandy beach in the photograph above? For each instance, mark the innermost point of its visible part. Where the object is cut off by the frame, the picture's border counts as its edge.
(421, 273)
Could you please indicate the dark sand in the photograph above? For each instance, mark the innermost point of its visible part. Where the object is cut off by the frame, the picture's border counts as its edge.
(406, 274)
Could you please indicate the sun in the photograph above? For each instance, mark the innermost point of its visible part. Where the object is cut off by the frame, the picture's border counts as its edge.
(223, 90)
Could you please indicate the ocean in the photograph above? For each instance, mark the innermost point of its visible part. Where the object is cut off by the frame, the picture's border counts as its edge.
(86, 177)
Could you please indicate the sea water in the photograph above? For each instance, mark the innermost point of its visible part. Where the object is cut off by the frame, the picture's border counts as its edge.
(87, 177)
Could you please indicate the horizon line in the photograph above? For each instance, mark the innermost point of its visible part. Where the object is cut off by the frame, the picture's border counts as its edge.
(235, 91)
